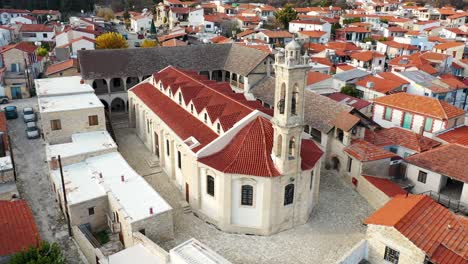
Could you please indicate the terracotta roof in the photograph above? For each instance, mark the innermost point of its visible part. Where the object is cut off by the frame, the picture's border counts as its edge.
(345, 67)
(315, 47)
(349, 100)
(346, 121)
(246, 33)
(458, 135)
(173, 42)
(36, 28)
(354, 29)
(324, 61)
(253, 19)
(448, 45)
(45, 12)
(388, 187)
(397, 45)
(365, 151)
(432, 56)
(397, 29)
(180, 10)
(366, 55)
(23, 46)
(13, 11)
(249, 152)
(315, 77)
(400, 137)
(61, 66)
(308, 22)
(18, 229)
(171, 36)
(452, 81)
(348, 46)
(312, 33)
(261, 47)
(277, 34)
(423, 105)
(380, 85)
(449, 160)
(392, 77)
(459, 15)
(216, 18)
(76, 40)
(218, 39)
(428, 225)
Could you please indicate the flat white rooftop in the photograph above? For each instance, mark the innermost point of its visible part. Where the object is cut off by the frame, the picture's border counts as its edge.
(68, 102)
(98, 175)
(61, 86)
(131, 254)
(82, 143)
(193, 251)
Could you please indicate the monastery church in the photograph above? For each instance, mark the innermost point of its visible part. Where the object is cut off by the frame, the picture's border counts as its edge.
(242, 167)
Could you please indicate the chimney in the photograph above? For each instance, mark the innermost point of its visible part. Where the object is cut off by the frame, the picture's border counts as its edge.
(151, 210)
(122, 178)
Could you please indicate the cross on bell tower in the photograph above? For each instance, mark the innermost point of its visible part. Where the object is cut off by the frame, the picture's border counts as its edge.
(288, 120)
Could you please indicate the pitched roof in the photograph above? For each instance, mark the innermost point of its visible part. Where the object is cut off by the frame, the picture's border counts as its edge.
(173, 43)
(76, 40)
(428, 225)
(61, 66)
(448, 45)
(457, 135)
(45, 12)
(392, 77)
(315, 77)
(347, 46)
(354, 29)
(98, 64)
(366, 55)
(349, 100)
(400, 137)
(397, 45)
(18, 229)
(23, 46)
(388, 187)
(380, 85)
(36, 28)
(346, 121)
(365, 151)
(312, 33)
(423, 105)
(249, 152)
(277, 33)
(449, 160)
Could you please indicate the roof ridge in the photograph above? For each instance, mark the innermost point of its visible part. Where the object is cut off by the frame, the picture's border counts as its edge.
(262, 127)
(238, 150)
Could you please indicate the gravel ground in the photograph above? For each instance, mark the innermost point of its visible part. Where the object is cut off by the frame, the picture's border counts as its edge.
(334, 228)
(33, 184)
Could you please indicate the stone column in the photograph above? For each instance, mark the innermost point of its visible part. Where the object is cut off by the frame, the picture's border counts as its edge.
(108, 81)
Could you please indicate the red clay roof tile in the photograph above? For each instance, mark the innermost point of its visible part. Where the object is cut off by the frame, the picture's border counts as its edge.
(458, 135)
(365, 151)
(388, 187)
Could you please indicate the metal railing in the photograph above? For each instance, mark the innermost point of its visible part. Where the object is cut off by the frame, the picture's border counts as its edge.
(453, 204)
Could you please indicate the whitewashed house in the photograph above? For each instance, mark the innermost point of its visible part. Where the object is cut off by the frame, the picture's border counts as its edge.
(296, 26)
(37, 33)
(141, 23)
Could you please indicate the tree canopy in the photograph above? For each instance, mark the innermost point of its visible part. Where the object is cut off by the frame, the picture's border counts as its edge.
(349, 90)
(285, 15)
(147, 43)
(111, 40)
(45, 253)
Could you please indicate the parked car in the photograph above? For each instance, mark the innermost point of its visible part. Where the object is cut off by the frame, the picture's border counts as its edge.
(137, 44)
(3, 99)
(141, 36)
(32, 131)
(10, 112)
(29, 115)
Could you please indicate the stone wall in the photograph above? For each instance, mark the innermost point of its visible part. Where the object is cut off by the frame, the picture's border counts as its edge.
(160, 253)
(79, 213)
(159, 228)
(88, 250)
(372, 194)
(358, 253)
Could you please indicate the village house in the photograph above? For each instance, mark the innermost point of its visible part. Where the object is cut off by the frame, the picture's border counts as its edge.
(352, 34)
(21, 68)
(62, 69)
(404, 231)
(141, 23)
(248, 22)
(430, 62)
(296, 26)
(454, 49)
(46, 15)
(368, 60)
(371, 87)
(37, 33)
(394, 49)
(8, 190)
(237, 172)
(7, 14)
(458, 135)
(6, 35)
(441, 171)
(71, 48)
(314, 36)
(420, 114)
(394, 32)
(277, 38)
(26, 19)
(457, 20)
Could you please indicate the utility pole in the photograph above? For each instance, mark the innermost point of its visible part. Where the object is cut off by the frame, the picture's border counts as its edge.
(67, 216)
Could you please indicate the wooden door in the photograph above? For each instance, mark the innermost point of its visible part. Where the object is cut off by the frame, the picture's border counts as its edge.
(156, 144)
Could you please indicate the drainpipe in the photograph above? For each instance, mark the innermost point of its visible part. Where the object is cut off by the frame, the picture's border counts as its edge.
(67, 216)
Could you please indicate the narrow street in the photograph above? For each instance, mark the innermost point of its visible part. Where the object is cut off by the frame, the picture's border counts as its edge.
(33, 184)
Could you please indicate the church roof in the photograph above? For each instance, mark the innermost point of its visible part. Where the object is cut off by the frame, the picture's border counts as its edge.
(249, 152)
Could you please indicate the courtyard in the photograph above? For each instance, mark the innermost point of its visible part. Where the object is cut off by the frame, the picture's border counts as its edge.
(333, 229)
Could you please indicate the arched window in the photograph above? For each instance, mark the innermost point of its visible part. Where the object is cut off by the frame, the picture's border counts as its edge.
(210, 185)
(281, 102)
(279, 145)
(292, 148)
(294, 101)
(167, 147)
(307, 129)
(289, 194)
(247, 195)
(180, 98)
(205, 118)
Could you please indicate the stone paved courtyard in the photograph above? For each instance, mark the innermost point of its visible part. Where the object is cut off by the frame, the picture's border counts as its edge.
(335, 225)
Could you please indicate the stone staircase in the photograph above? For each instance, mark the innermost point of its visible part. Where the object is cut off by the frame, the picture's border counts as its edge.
(185, 207)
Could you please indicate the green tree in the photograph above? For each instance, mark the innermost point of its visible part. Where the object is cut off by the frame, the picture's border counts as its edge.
(126, 15)
(45, 253)
(286, 15)
(153, 27)
(148, 43)
(349, 90)
(334, 27)
(351, 20)
(42, 52)
(111, 40)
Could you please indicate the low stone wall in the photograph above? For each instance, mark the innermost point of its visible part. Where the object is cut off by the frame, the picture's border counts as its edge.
(160, 253)
(88, 250)
(372, 194)
(358, 253)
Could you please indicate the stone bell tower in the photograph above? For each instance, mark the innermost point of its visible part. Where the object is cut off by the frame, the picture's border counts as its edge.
(288, 120)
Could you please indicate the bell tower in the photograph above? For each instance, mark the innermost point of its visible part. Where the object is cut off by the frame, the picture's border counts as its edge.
(288, 120)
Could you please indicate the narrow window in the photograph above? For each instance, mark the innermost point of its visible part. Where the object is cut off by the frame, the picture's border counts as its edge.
(180, 98)
(388, 113)
(282, 99)
(428, 124)
(93, 120)
(218, 128)
(91, 211)
(311, 179)
(292, 148)
(294, 101)
(289, 194)
(247, 195)
(179, 160)
(210, 185)
(191, 108)
(205, 117)
(350, 164)
(391, 255)
(407, 121)
(422, 176)
(55, 124)
(167, 148)
(307, 129)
